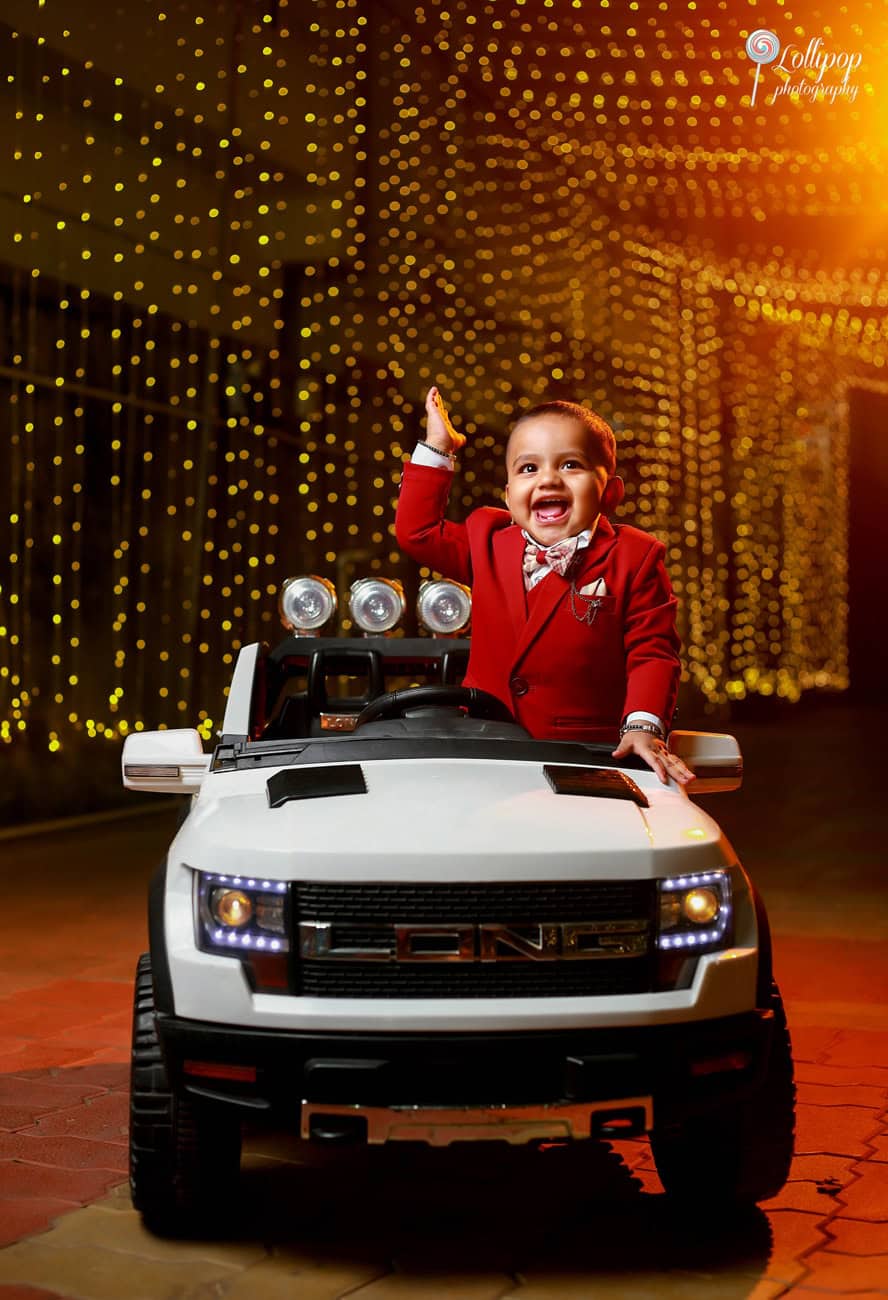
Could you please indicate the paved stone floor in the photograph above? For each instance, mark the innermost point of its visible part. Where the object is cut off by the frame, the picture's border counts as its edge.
(570, 1223)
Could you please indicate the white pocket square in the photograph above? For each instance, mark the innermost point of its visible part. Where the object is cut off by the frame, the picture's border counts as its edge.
(596, 588)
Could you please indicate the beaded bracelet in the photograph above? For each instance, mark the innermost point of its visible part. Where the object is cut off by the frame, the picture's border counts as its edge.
(448, 455)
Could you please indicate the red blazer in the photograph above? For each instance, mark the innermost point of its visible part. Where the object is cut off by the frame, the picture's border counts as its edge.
(562, 679)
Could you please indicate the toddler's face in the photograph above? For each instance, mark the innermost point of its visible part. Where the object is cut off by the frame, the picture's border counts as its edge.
(555, 482)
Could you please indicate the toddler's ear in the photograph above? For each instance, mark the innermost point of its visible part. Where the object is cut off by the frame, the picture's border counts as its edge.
(613, 494)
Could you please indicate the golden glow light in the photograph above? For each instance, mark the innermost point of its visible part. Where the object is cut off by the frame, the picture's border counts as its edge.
(231, 907)
(700, 905)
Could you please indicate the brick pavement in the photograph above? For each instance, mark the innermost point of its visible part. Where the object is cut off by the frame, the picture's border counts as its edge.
(561, 1223)
(566, 1224)
(580, 1222)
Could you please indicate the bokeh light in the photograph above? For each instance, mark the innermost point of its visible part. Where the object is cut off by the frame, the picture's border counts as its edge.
(240, 240)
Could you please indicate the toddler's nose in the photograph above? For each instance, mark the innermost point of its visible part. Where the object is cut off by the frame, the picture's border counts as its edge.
(550, 476)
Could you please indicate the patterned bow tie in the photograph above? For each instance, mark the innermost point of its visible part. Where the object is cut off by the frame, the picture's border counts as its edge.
(558, 557)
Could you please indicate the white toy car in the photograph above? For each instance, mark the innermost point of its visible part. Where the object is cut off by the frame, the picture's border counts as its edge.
(391, 914)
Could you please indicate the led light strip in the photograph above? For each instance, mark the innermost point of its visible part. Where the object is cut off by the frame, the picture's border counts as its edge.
(691, 940)
(691, 882)
(268, 886)
(235, 940)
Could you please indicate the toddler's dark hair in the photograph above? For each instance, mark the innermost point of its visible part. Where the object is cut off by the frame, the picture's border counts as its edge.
(599, 429)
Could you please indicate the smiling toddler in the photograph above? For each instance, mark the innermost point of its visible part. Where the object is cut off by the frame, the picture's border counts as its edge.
(573, 616)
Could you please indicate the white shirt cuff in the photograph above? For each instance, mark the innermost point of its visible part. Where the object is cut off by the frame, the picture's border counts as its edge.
(638, 715)
(424, 456)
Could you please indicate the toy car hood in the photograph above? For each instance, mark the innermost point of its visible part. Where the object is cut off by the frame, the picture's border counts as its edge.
(426, 819)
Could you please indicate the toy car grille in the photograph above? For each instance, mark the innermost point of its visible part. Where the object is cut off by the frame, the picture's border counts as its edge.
(530, 980)
(363, 916)
(583, 900)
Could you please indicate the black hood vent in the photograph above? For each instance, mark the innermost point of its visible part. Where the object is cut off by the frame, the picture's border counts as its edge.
(315, 783)
(595, 783)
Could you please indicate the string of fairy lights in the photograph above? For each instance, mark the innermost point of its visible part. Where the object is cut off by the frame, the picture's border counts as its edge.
(232, 266)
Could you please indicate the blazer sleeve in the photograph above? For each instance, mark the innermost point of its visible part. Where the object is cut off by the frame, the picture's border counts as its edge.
(420, 526)
(650, 640)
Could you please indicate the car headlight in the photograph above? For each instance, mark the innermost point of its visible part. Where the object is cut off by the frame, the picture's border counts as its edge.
(377, 604)
(695, 911)
(307, 604)
(444, 606)
(230, 908)
(240, 914)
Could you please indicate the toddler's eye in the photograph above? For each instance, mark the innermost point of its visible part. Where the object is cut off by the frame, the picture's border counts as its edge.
(527, 468)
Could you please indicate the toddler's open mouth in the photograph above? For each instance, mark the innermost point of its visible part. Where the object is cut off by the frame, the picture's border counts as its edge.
(551, 510)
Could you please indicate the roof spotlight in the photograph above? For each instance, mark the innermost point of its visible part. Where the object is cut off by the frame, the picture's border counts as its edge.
(444, 607)
(377, 604)
(307, 604)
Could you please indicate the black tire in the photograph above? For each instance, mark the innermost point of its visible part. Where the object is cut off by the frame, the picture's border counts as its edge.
(740, 1153)
(184, 1167)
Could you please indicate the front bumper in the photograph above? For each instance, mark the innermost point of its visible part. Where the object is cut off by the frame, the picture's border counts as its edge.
(684, 1069)
(440, 1126)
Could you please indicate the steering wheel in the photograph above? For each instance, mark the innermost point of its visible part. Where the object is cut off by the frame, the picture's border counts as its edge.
(477, 703)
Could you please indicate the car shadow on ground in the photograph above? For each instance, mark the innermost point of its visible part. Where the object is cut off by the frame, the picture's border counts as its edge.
(576, 1210)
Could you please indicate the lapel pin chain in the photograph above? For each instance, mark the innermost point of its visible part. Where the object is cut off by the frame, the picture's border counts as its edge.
(590, 605)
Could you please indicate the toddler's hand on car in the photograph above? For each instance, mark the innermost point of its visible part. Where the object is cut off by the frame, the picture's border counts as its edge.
(440, 433)
(655, 753)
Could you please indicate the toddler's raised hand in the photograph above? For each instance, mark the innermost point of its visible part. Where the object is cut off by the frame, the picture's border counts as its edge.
(440, 432)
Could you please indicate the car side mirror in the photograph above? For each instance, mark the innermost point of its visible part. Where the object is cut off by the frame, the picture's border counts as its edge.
(165, 762)
(712, 756)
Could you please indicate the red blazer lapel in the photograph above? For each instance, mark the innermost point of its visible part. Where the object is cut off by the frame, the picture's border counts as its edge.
(554, 588)
(508, 557)
(600, 547)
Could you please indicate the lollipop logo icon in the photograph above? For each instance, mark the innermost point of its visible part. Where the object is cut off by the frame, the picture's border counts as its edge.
(762, 46)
